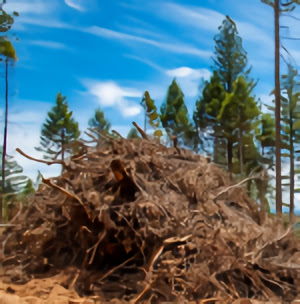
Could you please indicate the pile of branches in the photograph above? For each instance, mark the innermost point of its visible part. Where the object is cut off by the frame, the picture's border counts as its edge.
(135, 221)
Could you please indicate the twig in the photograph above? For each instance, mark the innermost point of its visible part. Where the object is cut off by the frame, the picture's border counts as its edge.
(144, 135)
(71, 195)
(115, 268)
(237, 185)
(94, 247)
(146, 288)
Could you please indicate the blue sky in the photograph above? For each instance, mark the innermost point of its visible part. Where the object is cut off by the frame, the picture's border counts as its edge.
(107, 53)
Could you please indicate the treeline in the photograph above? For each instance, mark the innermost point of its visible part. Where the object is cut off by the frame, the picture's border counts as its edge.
(229, 123)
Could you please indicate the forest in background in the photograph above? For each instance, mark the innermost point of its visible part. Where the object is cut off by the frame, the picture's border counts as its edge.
(229, 124)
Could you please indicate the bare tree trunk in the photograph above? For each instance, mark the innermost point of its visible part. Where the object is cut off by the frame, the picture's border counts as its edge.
(292, 173)
(229, 157)
(4, 139)
(277, 112)
(62, 145)
(241, 152)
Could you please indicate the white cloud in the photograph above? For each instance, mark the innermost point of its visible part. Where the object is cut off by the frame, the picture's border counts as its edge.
(48, 44)
(110, 94)
(189, 79)
(75, 4)
(171, 46)
(183, 72)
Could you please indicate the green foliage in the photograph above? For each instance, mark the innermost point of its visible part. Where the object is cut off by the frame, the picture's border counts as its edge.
(205, 118)
(133, 133)
(267, 132)
(231, 58)
(17, 186)
(59, 131)
(238, 118)
(99, 123)
(6, 47)
(174, 115)
(151, 114)
(290, 118)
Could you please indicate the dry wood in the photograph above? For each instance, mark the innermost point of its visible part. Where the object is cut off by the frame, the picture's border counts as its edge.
(143, 222)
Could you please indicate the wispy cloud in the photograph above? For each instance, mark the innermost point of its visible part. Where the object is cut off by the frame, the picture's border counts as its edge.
(75, 4)
(29, 7)
(170, 46)
(49, 22)
(48, 44)
(110, 94)
(146, 61)
(209, 20)
(192, 15)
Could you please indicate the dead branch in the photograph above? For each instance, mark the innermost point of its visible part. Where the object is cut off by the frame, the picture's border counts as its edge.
(143, 134)
(49, 163)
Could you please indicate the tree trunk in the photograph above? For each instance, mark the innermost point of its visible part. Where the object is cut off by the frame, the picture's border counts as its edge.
(292, 173)
(62, 145)
(229, 157)
(4, 139)
(277, 111)
(241, 152)
(216, 152)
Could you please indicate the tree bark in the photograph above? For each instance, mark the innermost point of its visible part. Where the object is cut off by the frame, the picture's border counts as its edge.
(229, 157)
(292, 173)
(4, 139)
(277, 111)
(62, 145)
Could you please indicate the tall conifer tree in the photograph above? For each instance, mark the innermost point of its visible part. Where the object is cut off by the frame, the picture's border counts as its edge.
(59, 130)
(174, 115)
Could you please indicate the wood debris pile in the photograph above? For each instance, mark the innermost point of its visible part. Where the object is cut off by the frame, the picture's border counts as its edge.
(137, 221)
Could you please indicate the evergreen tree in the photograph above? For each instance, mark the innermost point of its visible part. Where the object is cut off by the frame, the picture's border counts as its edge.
(8, 54)
(99, 123)
(151, 116)
(266, 137)
(16, 185)
(238, 117)
(231, 58)
(230, 63)
(133, 133)
(174, 115)
(59, 131)
(205, 118)
(290, 118)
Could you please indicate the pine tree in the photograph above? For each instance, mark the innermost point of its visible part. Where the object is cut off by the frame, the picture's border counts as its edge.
(8, 54)
(59, 131)
(133, 133)
(209, 133)
(230, 63)
(174, 115)
(151, 116)
(99, 122)
(237, 115)
(290, 118)
(231, 58)
(16, 185)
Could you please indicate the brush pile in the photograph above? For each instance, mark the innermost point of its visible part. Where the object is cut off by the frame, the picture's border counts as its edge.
(133, 220)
